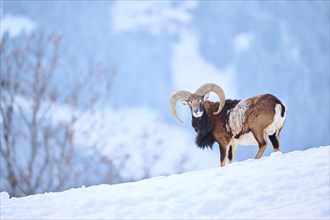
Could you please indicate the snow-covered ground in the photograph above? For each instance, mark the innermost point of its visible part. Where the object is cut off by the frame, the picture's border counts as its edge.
(280, 186)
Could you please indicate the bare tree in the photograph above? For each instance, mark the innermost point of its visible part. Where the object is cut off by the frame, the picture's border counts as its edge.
(38, 153)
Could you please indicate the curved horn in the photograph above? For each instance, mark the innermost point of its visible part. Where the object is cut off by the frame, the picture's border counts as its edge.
(211, 87)
(179, 95)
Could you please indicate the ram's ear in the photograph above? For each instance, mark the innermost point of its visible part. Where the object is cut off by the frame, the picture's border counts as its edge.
(206, 96)
(184, 102)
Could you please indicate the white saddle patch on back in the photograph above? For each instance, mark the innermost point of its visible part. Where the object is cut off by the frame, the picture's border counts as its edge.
(237, 117)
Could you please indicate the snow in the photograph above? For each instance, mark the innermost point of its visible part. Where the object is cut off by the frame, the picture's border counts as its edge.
(294, 185)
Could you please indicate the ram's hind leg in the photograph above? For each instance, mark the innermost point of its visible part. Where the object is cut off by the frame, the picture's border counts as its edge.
(262, 148)
(275, 141)
(262, 142)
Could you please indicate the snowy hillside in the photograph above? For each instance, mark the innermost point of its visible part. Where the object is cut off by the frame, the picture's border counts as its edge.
(282, 186)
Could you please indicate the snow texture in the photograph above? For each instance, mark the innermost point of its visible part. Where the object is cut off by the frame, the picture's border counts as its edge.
(282, 186)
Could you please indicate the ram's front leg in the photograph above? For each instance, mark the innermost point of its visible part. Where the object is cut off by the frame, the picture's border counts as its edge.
(223, 153)
(231, 152)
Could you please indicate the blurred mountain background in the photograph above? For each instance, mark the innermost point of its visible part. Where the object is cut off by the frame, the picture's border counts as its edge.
(158, 47)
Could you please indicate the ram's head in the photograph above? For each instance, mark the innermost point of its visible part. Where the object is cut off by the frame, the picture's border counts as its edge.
(196, 100)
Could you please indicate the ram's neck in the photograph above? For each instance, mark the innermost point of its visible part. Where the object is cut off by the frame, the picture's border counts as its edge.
(210, 108)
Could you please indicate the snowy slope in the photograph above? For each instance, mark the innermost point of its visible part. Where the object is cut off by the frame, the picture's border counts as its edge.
(282, 186)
